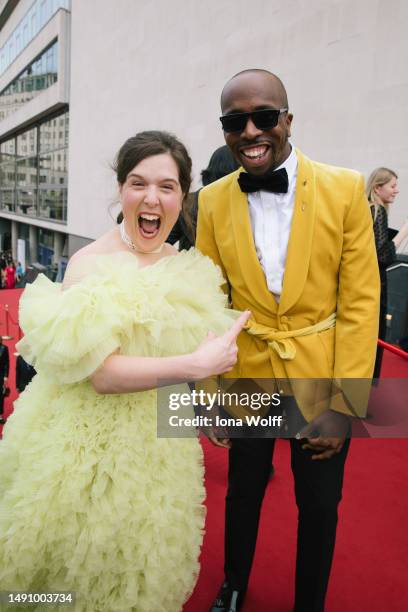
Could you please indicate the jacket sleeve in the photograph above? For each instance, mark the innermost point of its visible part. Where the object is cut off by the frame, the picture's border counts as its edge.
(357, 306)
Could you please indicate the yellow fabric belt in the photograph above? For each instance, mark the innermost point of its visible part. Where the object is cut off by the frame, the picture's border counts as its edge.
(280, 341)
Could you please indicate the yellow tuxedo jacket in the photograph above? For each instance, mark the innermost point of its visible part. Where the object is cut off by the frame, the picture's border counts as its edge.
(331, 267)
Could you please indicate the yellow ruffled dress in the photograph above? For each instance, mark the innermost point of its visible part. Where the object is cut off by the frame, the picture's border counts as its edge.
(91, 500)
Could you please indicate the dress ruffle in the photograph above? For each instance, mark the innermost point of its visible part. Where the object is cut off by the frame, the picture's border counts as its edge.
(91, 500)
(160, 310)
(94, 502)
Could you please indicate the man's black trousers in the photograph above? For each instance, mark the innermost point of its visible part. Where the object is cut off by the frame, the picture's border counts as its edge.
(318, 486)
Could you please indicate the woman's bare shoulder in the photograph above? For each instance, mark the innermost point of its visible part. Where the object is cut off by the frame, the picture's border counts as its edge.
(82, 262)
(105, 244)
(169, 249)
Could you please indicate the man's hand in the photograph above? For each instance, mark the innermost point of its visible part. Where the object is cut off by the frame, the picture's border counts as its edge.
(331, 428)
(212, 434)
(218, 436)
(326, 448)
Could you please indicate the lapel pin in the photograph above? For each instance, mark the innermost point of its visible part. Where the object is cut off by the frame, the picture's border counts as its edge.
(303, 207)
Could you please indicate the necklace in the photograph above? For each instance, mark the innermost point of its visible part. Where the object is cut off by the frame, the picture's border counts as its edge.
(125, 238)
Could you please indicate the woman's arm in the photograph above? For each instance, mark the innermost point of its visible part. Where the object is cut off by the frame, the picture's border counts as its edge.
(122, 374)
(402, 235)
(215, 355)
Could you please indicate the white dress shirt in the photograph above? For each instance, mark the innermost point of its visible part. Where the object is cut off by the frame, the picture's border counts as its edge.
(271, 219)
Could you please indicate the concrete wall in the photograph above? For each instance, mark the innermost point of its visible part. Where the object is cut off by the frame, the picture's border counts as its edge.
(160, 64)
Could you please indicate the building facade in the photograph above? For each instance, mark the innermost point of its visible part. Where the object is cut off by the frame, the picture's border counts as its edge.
(34, 129)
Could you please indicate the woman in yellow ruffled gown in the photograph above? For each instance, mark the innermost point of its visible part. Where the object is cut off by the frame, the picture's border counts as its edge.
(91, 500)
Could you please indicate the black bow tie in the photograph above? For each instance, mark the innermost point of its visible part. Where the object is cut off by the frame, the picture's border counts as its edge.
(276, 182)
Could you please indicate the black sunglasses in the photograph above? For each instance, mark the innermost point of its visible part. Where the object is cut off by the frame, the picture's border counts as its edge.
(264, 119)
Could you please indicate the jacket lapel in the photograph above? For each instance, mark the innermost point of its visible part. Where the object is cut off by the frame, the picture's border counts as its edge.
(248, 261)
(301, 235)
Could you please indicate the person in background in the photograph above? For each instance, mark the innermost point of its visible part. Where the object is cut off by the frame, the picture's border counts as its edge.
(221, 163)
(4, 372)
(10, 275)
(382, 189)
(19, 272)
(24, 373)
(3, 275)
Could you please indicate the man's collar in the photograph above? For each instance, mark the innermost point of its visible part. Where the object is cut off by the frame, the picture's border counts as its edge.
(290, 164)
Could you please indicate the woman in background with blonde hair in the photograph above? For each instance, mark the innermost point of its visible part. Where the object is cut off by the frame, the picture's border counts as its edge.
(382, 189)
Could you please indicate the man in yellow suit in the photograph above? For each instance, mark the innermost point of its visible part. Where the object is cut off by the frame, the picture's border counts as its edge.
(295, 243)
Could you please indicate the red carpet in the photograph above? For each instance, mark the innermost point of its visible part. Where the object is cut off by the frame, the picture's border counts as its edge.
(9, 326)
(370, 566)
(369, 570)
(393, 366)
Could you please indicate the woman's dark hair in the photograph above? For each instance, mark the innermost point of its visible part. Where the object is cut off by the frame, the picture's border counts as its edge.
(221, 163)
(153, 142)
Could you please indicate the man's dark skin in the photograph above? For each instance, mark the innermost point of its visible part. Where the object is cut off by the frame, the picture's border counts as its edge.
(245, 93)
(252, 91)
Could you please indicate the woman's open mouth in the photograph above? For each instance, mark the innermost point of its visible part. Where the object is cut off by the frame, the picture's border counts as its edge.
(149, 225)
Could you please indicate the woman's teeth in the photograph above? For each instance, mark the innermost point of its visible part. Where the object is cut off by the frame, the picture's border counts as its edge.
(149, 224)
(149, 217)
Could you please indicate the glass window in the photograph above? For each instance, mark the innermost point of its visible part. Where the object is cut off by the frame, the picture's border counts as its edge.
(36, 17)
(53, 203)
(33, 24)
(39, 75)
(53, 172)
(51, 137)
(32, 183)
(8, 175)
(7, 150)
(23, 231)
(46, 237)
(27, 140)
(26, 169)
(26, 201)
(7, 199)
(43, 11)
(25, 34)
